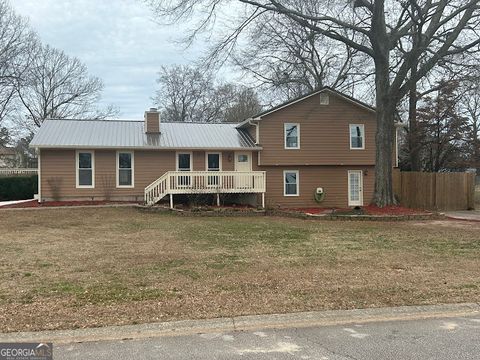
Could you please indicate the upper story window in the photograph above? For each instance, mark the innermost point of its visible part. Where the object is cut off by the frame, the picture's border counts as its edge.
(357, 136)
(125, 169)
(292, 136)
(85, 169)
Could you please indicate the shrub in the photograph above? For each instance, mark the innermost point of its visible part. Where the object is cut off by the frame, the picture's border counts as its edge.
(18, 187)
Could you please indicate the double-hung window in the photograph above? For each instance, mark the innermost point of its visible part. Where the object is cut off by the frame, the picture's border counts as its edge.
(290, 183)
(357, 136)
(292, 135)
(85, 169)
(125, 171)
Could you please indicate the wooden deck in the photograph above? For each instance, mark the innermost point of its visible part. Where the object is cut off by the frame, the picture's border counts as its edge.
(205, 182)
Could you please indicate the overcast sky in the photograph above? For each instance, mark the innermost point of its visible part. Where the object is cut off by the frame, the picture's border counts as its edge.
(117, 40)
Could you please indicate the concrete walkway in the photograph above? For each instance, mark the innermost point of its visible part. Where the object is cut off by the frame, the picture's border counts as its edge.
(4, 203)
(470, 215)
(245, 323)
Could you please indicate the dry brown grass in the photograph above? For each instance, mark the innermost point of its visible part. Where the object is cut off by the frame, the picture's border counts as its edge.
(90, 267)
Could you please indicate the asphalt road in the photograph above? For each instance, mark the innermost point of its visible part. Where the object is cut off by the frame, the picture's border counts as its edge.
(449, 339)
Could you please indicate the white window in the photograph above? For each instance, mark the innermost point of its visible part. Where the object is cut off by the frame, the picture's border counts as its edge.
(292, 136)
(85, 169)
(357, 136)
(184, 163)
(214, 161)
(290, 183)
(125, 169)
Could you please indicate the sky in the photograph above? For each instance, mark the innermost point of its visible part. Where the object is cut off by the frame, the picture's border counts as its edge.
(118, 40)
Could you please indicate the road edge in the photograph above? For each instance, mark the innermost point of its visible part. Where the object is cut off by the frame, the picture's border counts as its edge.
(244, 323)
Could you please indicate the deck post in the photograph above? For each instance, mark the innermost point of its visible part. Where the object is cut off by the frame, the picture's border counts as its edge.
(263, 200)
(171, 201)
(218, 199)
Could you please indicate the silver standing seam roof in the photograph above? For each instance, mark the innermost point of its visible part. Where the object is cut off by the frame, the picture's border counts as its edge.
(65, 133)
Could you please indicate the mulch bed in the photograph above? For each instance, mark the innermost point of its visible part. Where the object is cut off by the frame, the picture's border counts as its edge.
(365, 210)
(36, 204)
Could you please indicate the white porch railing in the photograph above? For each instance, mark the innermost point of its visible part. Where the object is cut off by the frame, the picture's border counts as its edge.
(17, 172)
(205, 182)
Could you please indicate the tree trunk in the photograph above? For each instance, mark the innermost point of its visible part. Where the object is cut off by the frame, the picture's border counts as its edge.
(384, 138)
(413, 134)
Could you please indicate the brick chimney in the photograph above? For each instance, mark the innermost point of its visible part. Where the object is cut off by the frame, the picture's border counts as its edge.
(152, 121)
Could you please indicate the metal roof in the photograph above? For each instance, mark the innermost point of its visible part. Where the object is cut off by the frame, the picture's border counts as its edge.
(75, 133)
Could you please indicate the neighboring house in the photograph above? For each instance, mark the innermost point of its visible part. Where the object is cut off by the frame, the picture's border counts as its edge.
(323, 140)
(8, 157)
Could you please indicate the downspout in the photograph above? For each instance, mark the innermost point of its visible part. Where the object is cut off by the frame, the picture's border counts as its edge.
(257, 132)
(257, 135)
(39, 175)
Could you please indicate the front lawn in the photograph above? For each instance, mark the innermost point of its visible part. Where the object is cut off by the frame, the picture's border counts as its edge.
(67, 268)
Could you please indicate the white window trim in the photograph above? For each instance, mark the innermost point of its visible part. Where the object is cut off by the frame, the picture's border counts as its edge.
(219, 161)
(78, 186)
(183, 152)
(284, 182)
(285, 136)
(132, 154)
(362, 126)
(360, 201)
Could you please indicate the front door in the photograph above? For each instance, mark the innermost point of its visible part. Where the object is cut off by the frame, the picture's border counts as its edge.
(355, 188)
(243, 163)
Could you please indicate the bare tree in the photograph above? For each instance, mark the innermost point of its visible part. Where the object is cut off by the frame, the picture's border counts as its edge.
(242, 103)
(289, 60)
(470, 106)
(189, 94)
(442, 129)
(379, 29)
(16, 42)
(58, 86)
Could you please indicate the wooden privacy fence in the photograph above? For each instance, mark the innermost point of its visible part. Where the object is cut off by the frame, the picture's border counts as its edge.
(435, 191)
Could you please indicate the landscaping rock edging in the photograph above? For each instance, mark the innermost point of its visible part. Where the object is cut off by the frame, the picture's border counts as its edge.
(291, 214)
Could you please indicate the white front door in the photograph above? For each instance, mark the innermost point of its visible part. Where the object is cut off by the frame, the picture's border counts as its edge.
(355, 188)
(243, 161)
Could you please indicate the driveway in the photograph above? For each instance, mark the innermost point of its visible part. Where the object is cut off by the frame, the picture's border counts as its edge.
(471, 215)
(441, 338)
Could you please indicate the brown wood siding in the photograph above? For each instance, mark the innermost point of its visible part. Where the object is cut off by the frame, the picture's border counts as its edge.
(324, 134)
(58, 171)
(334, 180)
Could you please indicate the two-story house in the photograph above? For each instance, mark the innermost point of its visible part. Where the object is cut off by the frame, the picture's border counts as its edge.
(286, 156)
